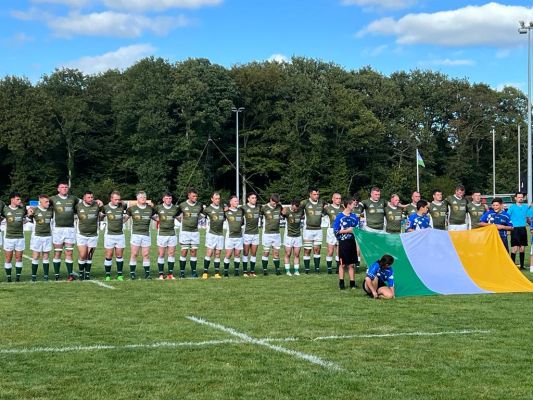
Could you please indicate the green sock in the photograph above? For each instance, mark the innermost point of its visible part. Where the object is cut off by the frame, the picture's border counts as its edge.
(329, 264)
(265, 264)
(206, 265)
(46, 268)
(107, 266)
(252, 266)
(316, 261)
(18, 271)
(8, 272)
(161, 268)
(276, 264)
(244, 266)
(217, 265)
(57, 267)
(170, 267)
(120, 265)
(307, 263)
(193, 264)
(183, 262)
(34, 268)
(133, 267)
(226, 267)
(70, 267)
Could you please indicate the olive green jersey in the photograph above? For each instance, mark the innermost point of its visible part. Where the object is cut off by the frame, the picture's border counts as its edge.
(141, 219)
(394, 217)
(294, 221)
(457, 210)
(64, 209)
(410, 210)
(374, 213)
(313, 214)
(332, 211)
(358, 209)
(475, 211)
(114, 217)
(41, 221)
(251, 219)
(190, 213)
(14, 221)
(271, 217)
(235, 218)
(88, 215)
(167, 215)
(438, 212)
(216, 219)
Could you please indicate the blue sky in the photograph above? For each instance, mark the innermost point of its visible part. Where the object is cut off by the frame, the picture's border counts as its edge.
(472, 39)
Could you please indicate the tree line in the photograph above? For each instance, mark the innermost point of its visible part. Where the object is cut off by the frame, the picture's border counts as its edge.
(160, 126)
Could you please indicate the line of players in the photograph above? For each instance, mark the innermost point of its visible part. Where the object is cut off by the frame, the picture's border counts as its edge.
(54, 227)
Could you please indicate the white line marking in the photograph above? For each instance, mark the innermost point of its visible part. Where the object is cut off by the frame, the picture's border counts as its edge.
(220, 342)
(100, 284)
(307, 357)
(116, 347)
(381, 335)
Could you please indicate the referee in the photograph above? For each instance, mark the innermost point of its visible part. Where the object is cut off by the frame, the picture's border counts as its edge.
(518, 213)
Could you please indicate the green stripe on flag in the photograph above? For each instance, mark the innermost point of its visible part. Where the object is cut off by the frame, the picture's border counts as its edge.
(375, 245)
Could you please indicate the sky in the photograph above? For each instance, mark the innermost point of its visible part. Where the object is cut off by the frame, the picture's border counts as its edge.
(471, 39)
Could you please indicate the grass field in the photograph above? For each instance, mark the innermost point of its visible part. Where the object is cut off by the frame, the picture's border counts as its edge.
(274, 337)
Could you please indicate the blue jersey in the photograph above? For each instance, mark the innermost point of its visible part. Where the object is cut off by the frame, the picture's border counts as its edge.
(518, 214)
(384, 275)
(344, 221)
(416, 222)
(501, 218)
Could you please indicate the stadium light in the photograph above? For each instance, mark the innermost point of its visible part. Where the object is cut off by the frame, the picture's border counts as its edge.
(523, 30)
(237, 111)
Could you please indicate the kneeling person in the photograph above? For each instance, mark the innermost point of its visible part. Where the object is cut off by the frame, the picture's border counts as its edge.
(379, 280)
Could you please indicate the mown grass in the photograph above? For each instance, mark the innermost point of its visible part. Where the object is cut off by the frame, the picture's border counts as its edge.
(492, 361)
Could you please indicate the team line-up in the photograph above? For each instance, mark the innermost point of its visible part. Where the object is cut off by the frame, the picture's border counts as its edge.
(54, 229)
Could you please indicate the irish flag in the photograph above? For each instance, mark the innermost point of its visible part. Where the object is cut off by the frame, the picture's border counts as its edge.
(432, 261)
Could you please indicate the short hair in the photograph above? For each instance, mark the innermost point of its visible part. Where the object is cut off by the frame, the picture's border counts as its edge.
(87, 192)
(420, 204)
(460, 187)
(12, 195)
(43, 196)
(386, 259)
(140, 193)
(375, 189)
(295, 202)
(517, 193)
(214, 194)
(476, 191)
(114, 192)
(348, 201)
(435, 191)
(497, 200)
(416, 191)
(62, 183)
(313, 189)
(274, 197)
(250, 194)
(392, 196)
(233, 197)
(192, 190)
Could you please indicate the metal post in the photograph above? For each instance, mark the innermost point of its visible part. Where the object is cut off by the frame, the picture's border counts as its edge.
(493, 163)
(519, 188)
(529, 162)
(237, 167)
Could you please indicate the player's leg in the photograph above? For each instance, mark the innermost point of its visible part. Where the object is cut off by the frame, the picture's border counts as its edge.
(194, 259)
(46, 261)
(93, 242)
(83, 251)
(108, 259)
(119, 258)
(245, 253)
(58, 242)
(329, 257)
(253, 254)
(287, 257)
(161, 250)
(8, 257)
(385, 292)
(237, 256)
(227, 257)
(134, 251)
(351, 275)
(296, 261)
(145, 249)
(341, 272)
(275, 257)
(308, 248)
(69, 261)
(35, 256)
(19, 250)
(317, 247)
(171, 257)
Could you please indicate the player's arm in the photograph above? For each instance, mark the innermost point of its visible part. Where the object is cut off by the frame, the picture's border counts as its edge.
(484, 219)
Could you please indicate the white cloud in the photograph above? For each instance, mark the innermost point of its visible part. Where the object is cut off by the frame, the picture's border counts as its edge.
(279, 58)
(109, 23)
(158, 5)
(383, 4)
(120, 59)
(516, 85)
(491, 24)
(503, 53)
(20, 39)
(452, 63)
(70, 3)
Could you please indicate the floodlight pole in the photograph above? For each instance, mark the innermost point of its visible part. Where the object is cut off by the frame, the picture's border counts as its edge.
(237, 167)
(523, 30)
(493, 162)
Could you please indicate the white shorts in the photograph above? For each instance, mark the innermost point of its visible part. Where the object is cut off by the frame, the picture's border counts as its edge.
(461, 227)
(63, 235)
(271, 240)
(251, 239)
(331, 239)
(213, 241)
(14, 244)
(369, 229)
(292, 241)
(140, 240)
(234, 243)
(314, 236)
(1, 238)
(41, 244)
(167, 241)
(114, 241)
(191, 239)
(89, 241)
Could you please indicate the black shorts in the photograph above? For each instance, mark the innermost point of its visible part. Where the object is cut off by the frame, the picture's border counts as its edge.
(369, 292)
(519, 236)
(347, 252)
